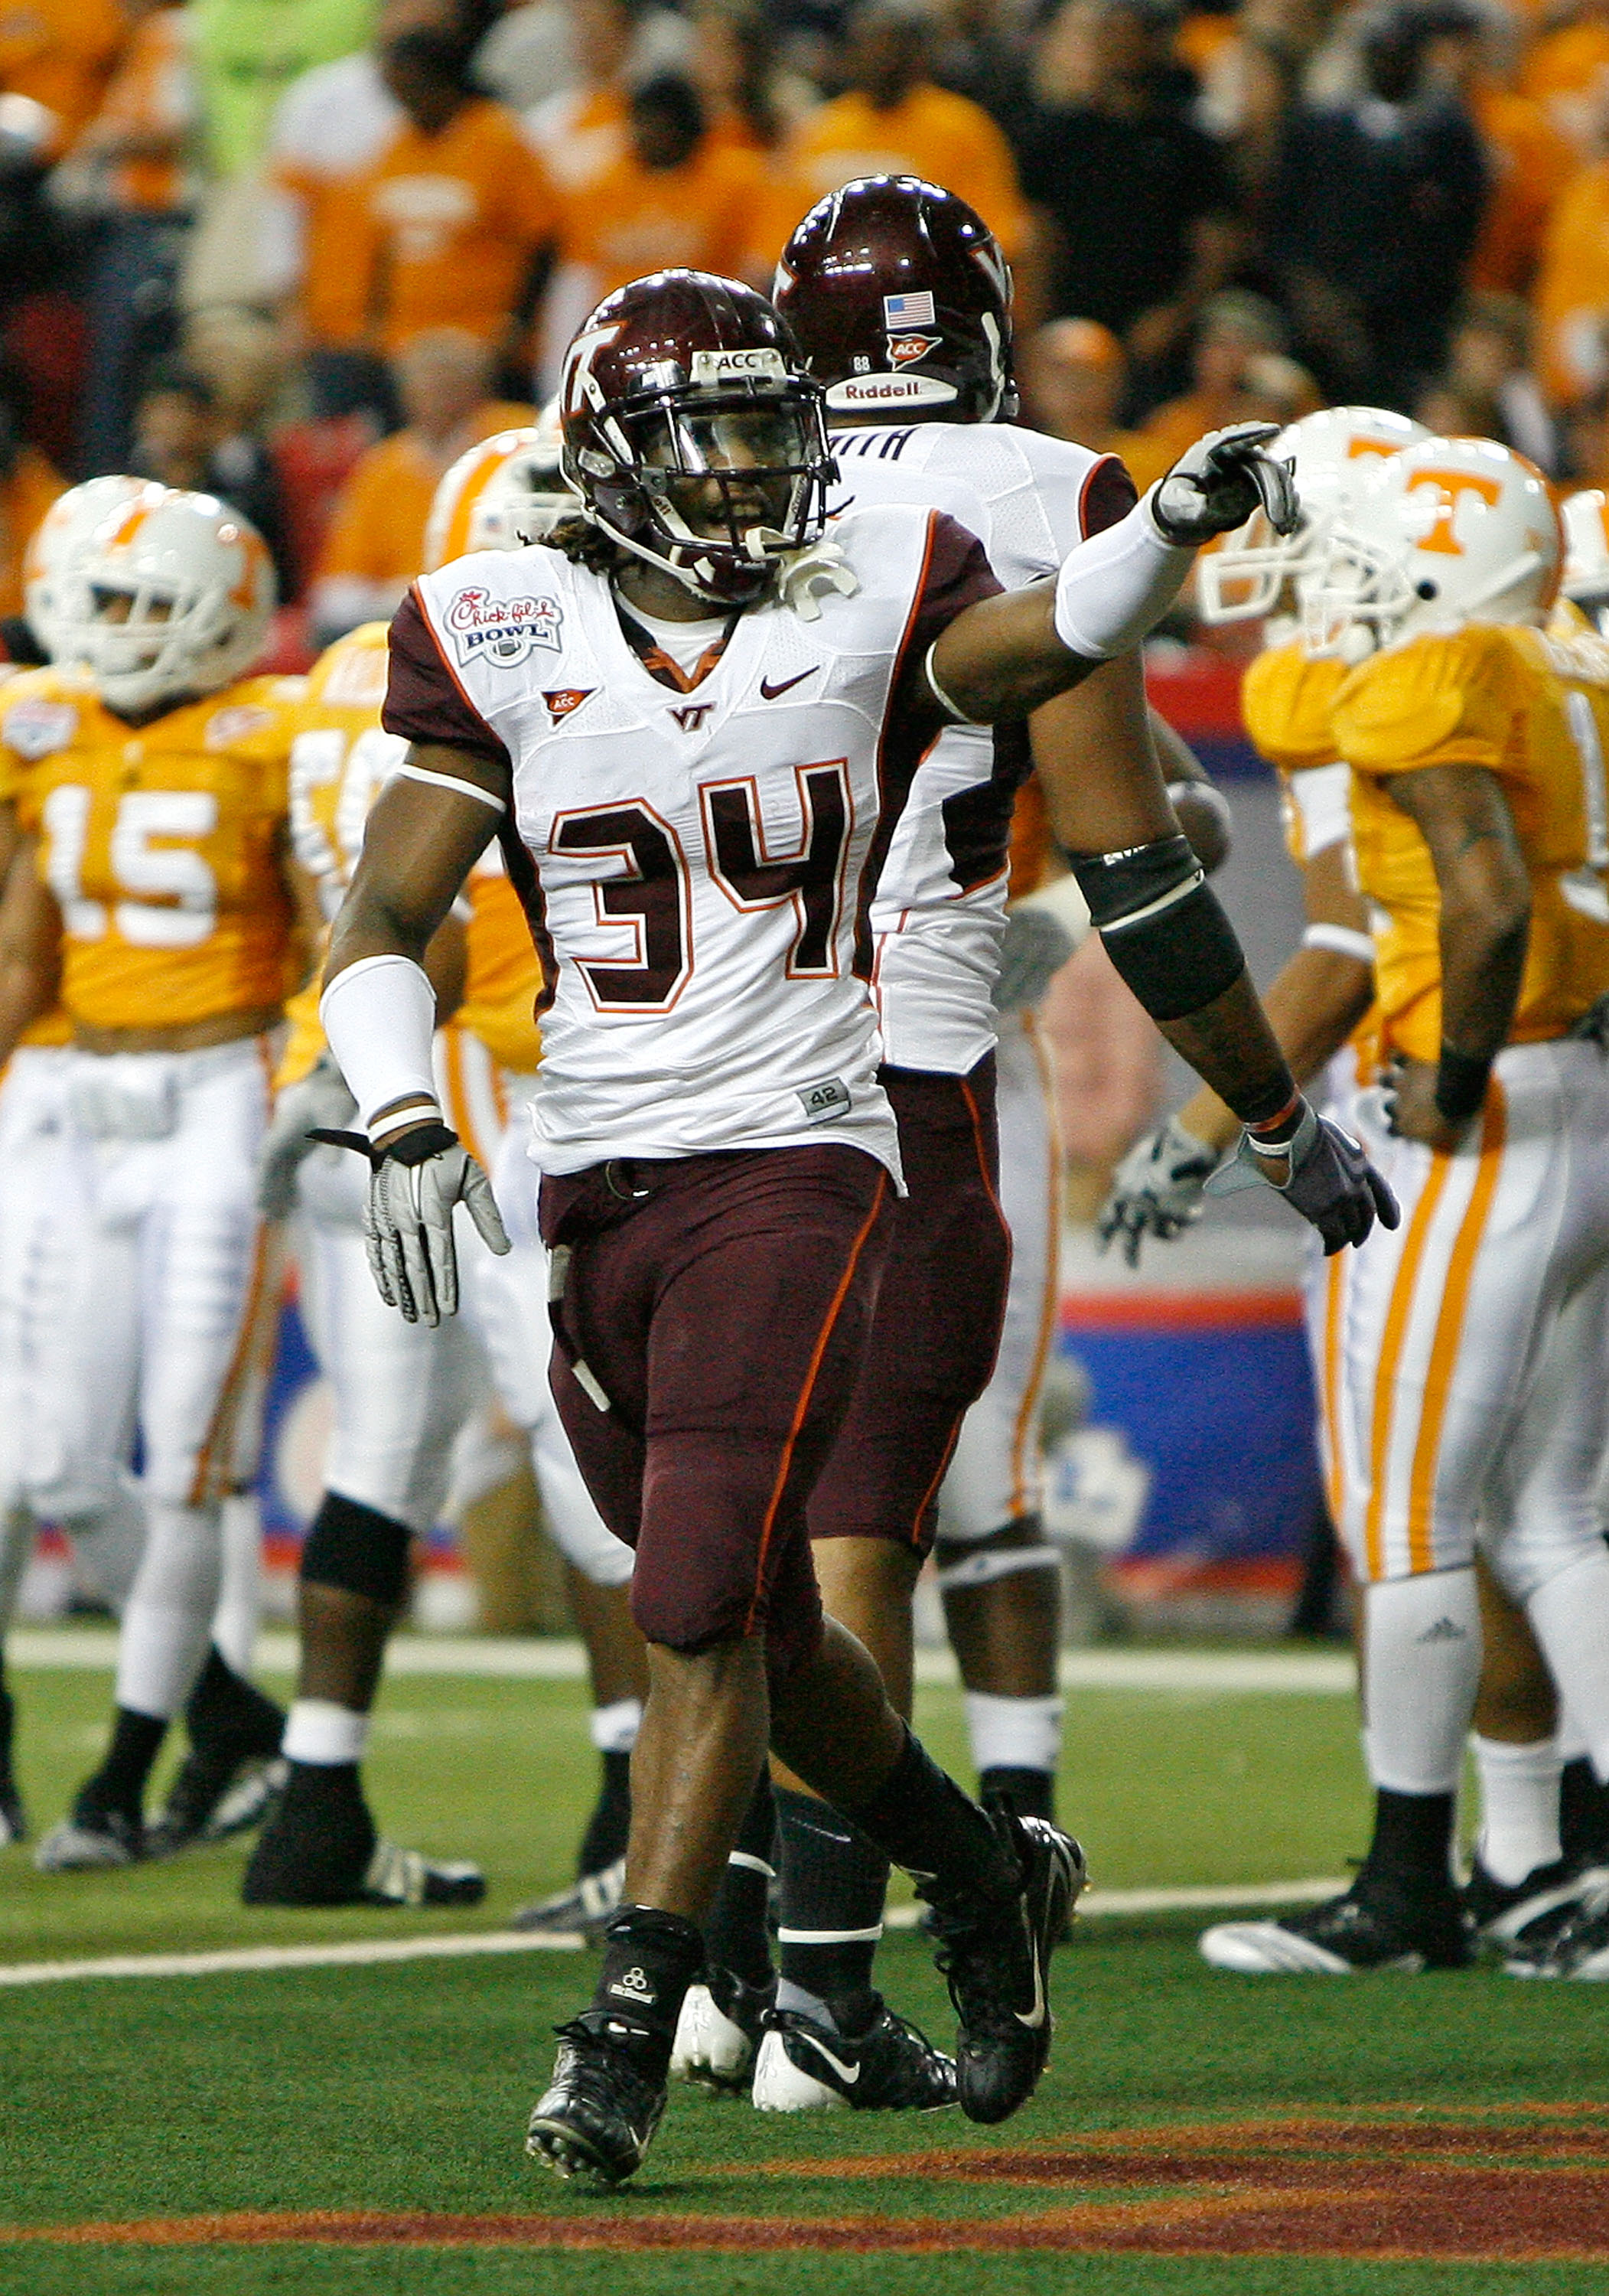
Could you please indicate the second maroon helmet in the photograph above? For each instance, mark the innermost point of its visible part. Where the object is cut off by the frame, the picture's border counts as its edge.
(900, 297)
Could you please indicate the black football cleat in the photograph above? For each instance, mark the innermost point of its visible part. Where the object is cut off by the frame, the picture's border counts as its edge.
(597, 2117)
(1382, 1923)
(320, 1848)
(214, 1797)
(1503, 1913)
(586, 1909)
(806, 2067)
(995, 1954)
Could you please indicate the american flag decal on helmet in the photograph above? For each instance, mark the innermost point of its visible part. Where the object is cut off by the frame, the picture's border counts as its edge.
(902, 311)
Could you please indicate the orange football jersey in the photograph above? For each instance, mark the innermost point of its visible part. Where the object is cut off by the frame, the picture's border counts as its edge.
(161, 844)
(1531, 707)
(51, 1028)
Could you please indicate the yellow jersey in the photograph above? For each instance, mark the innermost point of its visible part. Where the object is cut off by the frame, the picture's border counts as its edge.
(161, 843)
(339, 761)
(1530, 707)
(51, 1028)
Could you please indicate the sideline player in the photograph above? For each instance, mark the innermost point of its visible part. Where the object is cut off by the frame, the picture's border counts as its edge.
(1470, 1393)
(402, 1391)
(153, 877)
(899, 300)
(718, 1156)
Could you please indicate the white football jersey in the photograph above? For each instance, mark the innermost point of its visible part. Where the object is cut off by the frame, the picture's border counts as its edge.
(705, 860)
(940, 908)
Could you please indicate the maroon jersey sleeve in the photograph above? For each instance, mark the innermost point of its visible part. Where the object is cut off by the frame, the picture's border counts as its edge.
(1108, 495)
(424, 702)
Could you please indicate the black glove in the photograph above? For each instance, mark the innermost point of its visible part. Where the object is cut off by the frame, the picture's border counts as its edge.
(1216, 485)
(1330, 1181)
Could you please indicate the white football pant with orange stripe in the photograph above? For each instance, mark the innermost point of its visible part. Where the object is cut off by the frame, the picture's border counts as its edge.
(1465, 1352)
(163, 1151)
(994, 1476)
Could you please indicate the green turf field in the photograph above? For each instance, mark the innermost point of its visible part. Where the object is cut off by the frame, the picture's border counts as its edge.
(358, 2130)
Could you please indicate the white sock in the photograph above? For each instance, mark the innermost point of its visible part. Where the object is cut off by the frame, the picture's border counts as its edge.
(614, 1727)
(1519, 1807)
(168, 1620)
(1013, 1734)
(1422, 1668)
(1569, 1618)
(319, 1731)
(1570, 1740)
(798, 2003)
(235, 1621)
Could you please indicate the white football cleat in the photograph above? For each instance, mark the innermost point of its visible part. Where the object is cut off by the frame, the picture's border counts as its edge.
(719, 2031)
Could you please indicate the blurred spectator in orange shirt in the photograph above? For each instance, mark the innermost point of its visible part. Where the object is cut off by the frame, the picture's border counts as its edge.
(1572, 295)
(28, 486)
(1073, 378)
(676, 197)
(57, 55)
(1567, 72)
(376, 541)
(1529, 162)
(893, 120)
(458, 206)
(128, 174)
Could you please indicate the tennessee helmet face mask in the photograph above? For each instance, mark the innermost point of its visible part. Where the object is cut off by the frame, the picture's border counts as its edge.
(504, 494)
(1586, 580)
(693, 435)
(900, 299)
(1244, 578)
(169, 595)
(1455, 530)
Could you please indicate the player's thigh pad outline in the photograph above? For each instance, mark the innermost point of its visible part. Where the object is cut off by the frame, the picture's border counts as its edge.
(935, 1332)
(1440, 1329)
(400, 1391)
(724, 1318)
(994, 1476)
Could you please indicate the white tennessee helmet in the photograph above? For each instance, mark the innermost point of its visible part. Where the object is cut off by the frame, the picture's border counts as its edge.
(1455, 530)
(503, 493)
(1587, 555)
(60, 534)
(169, 595)
(1241, 581)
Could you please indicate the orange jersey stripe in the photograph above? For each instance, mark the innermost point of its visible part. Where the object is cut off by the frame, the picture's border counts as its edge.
(1391, 1354)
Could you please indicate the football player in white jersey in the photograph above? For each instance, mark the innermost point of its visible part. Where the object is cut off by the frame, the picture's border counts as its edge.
(899, 300)
(402, 1391)
(694, 723)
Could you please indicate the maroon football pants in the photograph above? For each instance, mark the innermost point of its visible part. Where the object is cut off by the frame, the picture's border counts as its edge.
(719, 1306)
(937, 1327)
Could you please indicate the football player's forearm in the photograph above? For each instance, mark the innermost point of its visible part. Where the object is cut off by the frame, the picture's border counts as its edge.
(1312, 1008)
(419, 844)
(1483, 964)
(1234, 1051)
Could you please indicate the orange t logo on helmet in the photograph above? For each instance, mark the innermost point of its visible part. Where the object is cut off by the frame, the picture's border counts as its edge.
(1448, 487)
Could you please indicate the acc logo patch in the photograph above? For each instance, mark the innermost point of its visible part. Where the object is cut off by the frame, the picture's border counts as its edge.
(566, 699)
(904, 350)
(500, 630)
(36, 729)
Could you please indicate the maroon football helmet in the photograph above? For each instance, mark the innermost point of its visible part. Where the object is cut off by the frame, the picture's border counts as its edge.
(900, 301)
(693, 433)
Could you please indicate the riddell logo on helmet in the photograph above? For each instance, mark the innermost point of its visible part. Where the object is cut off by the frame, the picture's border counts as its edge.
(858, 390)
(716, 366)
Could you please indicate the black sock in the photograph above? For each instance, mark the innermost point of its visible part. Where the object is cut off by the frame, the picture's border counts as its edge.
(735, 1935)
(610, 1823)
(120, 1783)
(1413, 1838)
(227, 1715)
(1583, 1811)
(921, 1818)
(649, 1959)
(1028, 1793)
(833, 1881)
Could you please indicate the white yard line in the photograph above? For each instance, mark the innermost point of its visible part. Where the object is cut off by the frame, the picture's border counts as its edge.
(1224, 1674)
(365, 1951)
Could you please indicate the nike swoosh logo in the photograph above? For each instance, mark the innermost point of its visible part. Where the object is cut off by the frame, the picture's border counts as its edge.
(847, 2074)
(1035, 2017)
(769, 693)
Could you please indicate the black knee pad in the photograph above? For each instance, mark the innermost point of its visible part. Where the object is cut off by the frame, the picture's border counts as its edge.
(357, 1548)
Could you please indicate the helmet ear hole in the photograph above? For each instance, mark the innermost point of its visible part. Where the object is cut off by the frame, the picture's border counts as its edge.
(1427, 590)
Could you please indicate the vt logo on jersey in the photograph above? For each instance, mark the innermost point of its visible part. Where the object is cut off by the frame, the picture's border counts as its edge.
(503, 630)
(566, 699)
(692, 715)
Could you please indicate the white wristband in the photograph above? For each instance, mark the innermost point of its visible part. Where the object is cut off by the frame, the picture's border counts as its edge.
(379, 1017)
(1343, 940)
(1115, 588)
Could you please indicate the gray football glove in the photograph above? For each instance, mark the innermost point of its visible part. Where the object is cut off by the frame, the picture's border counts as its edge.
(1034, 947)
(408, 1222)
(1216, 485)
(1156, 1190)
(1331, 1182)
(320, 1098)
